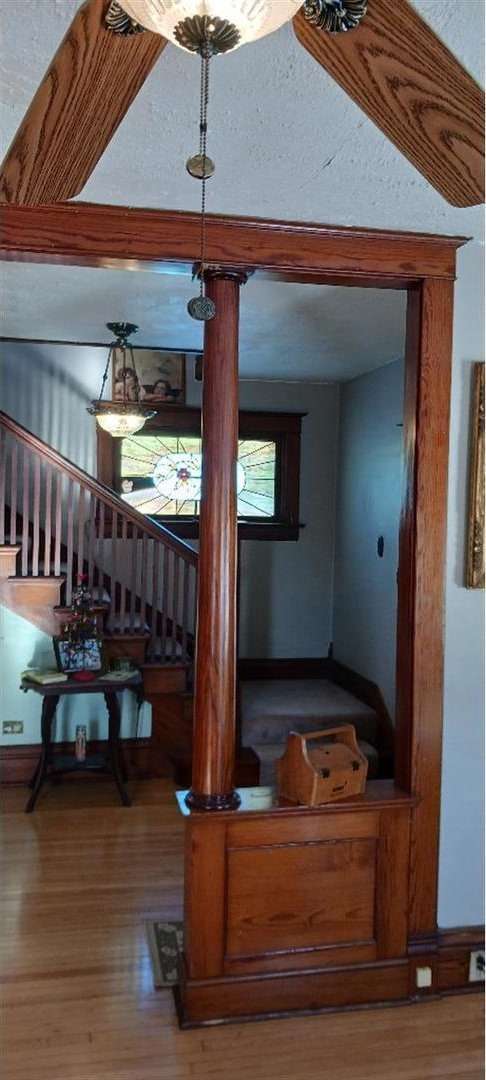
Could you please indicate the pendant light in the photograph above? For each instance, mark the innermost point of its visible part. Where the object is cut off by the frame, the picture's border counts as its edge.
(228, 23)
(126, 414)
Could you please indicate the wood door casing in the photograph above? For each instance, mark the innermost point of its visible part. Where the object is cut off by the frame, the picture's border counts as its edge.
(81, 234)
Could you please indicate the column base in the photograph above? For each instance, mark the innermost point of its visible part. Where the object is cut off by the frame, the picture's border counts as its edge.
(230, 801)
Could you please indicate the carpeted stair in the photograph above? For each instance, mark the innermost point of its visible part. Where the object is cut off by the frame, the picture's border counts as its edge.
(270, 708)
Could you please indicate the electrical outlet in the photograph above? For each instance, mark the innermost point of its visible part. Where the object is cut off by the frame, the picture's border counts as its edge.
(12, 727)
(423, 977)
(476, 966)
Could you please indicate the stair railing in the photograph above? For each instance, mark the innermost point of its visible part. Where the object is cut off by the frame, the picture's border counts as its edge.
(71, 523)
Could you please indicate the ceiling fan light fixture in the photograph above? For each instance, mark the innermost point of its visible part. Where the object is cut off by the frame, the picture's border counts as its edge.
(225, 23)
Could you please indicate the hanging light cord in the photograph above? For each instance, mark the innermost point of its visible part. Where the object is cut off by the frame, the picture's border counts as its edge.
(105, 373)
(203, 135)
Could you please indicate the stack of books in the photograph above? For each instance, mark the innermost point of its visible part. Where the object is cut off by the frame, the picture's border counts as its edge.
(43, 676)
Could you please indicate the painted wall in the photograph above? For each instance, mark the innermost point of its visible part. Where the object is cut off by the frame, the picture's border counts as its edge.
(461, 877)
(47, 389)
(286, 587)
(368, 497)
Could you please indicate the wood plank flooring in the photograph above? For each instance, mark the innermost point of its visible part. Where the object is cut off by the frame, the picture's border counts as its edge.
(83, 875)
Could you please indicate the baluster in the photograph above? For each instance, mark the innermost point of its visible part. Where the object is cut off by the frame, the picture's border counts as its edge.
(3, 471)
(101, 554)
(165, 601)
(133, 576)
(70, 534)
(58, 526)
(36, 517)
(175, 608)
(185, 610)
(91, 541)
(114, 531)
(81, 531)
(194, 604)
(143, 584)
(14, 466)
(123, 588)
(25, 514)
(48, 521)
(155, 601)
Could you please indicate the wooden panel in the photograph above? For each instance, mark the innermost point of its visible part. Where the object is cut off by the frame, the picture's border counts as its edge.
(300, 896)
(421, 583)
(274, 995)
(88, 234)
(405, 79)
(302, 828)
(204, 900)
(392, 883)
(298, 668)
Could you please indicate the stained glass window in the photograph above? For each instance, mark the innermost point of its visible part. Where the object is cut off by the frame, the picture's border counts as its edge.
(160, 475)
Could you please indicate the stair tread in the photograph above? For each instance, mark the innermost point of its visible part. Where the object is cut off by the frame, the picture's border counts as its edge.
(272, 707)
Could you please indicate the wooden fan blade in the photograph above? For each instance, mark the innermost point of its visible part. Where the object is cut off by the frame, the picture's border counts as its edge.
(89, 86)
(402, 76)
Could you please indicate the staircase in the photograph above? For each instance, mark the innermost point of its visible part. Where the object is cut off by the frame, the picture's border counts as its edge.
(270, 709)
(57, 522)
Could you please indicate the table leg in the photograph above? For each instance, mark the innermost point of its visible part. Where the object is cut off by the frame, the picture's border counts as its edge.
(49, 705)
(114, 745)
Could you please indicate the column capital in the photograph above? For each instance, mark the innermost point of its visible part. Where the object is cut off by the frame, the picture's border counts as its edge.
(238, 274)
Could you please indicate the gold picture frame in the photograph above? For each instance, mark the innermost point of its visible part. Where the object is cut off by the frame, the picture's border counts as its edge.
(475, 519)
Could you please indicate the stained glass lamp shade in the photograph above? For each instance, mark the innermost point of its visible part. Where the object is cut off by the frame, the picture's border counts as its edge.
(250, 19)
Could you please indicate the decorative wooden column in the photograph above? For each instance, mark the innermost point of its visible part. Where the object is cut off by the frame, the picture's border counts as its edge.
(215, 676)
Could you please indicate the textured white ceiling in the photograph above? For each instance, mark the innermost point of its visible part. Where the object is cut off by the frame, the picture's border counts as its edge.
(288, 143)
(286, 331)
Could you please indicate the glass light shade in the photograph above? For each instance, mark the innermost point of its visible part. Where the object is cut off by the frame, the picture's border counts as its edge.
(119, 420)
(120, 424)
(252, 18)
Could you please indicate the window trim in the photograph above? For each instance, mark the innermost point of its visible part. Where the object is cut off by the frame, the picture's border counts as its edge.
(284, 428)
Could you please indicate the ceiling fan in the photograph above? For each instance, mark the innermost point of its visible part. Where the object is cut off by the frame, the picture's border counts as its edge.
(389, 61)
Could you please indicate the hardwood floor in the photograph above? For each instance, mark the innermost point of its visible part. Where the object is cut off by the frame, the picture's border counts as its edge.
(83, 876)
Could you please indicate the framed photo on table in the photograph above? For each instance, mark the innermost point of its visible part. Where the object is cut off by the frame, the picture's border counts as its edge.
(72, 656)
(160, 377)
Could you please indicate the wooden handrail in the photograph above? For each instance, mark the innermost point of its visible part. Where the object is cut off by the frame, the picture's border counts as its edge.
(101, 491)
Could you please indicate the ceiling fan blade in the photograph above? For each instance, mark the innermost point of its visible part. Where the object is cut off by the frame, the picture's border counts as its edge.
(405, 80)
(89, 86)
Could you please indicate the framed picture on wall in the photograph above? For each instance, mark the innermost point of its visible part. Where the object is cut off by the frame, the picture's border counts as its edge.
(160, 377)
(475, 522)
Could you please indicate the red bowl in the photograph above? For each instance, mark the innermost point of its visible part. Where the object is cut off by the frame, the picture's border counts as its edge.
(84, 676)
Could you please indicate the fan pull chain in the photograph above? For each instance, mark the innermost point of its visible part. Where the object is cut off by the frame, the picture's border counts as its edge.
(201, 167)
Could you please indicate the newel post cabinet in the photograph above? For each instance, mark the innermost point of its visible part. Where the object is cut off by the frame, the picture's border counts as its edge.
(293, 908)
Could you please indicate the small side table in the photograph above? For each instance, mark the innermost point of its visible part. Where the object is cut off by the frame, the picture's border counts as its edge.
(111, 762)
